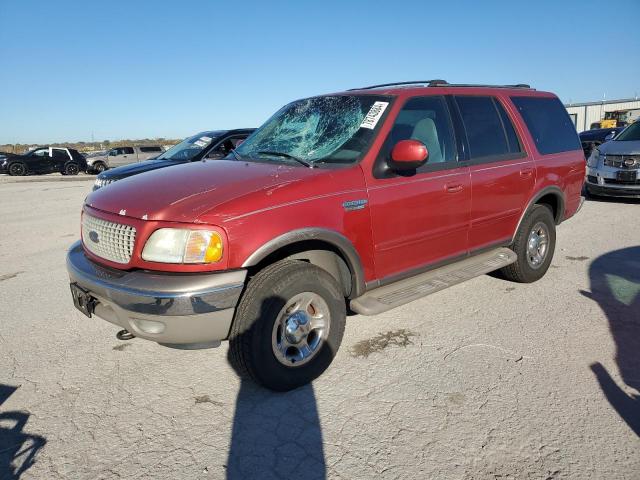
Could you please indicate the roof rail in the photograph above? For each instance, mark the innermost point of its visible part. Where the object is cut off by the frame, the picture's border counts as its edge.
(428, 83)
(440, 83)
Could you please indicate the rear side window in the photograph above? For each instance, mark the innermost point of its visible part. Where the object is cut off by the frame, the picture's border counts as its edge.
(150, 149)
(488, 128)
(549, 124)
(126, 151)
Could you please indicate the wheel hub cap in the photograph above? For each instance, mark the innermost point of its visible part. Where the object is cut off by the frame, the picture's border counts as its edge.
(537, 245)
(300, 329)
(296, 327)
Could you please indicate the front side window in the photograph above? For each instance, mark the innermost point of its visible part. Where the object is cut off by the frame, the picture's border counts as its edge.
(427, 120)
(127, 151)
(190, 147)
(631, 133)
(43, 152)
(329, 129)
(549, 124)
(484, 127)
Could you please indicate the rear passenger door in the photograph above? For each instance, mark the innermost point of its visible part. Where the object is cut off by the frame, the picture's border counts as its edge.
(502, 175)
(422, 217)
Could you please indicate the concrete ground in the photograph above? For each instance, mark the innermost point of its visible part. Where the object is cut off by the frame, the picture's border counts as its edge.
(486, 380)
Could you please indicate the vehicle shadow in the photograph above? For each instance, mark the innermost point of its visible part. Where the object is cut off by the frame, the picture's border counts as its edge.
(275, 435)
(615, 285)
(625, 200)
(18, 449)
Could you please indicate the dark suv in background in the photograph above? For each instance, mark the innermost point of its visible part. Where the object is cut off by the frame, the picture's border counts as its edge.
(66, 161)
(214, 144)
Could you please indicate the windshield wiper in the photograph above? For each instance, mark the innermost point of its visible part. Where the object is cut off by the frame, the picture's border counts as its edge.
(286, 155)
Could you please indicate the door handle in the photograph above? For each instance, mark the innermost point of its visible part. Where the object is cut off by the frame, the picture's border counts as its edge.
(526, 172)
(453, 187)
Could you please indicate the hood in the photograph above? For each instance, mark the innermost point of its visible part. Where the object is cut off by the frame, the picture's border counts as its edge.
(616, 147)
(136, 168)
(188, 191)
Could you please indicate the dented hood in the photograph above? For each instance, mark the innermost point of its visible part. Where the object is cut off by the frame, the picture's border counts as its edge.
(185, 192)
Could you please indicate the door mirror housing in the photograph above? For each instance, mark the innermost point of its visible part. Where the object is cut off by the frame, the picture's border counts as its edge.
(409, 155)
(610, 136)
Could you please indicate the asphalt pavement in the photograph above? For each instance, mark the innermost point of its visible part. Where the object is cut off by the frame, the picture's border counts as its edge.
(485, 380)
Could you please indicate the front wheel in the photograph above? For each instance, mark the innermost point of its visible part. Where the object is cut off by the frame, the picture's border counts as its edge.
(99, 167)
(288, 325)
(534, 244)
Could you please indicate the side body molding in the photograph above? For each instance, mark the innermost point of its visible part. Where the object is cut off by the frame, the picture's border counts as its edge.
(555, 191)
(335, 239)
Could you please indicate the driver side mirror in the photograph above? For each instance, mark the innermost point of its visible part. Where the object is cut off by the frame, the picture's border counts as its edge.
(408, 155)
(610, 136)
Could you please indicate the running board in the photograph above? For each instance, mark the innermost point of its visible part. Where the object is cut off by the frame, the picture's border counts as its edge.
(404, 291)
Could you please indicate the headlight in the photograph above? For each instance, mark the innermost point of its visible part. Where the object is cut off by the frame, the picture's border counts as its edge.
(176, 245)
(593, 158)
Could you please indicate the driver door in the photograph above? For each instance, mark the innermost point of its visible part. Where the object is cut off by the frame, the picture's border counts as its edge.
(420, 218)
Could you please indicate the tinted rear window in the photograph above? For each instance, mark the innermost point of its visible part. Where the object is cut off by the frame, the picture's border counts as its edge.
(549, 124)
(482, 123)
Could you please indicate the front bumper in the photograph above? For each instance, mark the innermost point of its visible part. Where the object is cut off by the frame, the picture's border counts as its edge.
(176, 310)
(601, 180)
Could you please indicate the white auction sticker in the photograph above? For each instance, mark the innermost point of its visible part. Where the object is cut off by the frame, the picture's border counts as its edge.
(375, 112)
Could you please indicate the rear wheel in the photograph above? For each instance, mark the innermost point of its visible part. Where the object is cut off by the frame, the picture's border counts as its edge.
(71, 169)
(17, 169)
(534, 244)
(288, 325)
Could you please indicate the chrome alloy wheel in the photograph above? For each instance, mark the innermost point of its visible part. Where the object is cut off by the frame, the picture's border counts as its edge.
(300, 329)
(537, 245)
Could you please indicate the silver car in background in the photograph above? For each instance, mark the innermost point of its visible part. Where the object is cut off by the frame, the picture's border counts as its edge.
(118, 156)
(613, 168)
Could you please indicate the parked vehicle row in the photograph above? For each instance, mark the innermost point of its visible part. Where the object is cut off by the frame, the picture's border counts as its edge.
(360, 200)
(204, 145)
(66, 161)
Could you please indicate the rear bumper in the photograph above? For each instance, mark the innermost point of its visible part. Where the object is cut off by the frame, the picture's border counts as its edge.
(177, 310)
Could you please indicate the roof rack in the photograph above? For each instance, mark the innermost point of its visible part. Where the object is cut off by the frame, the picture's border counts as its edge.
(440, 83)
(428, 83)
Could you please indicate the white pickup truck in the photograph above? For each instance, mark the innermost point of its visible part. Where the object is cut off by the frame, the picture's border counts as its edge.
(119, 156)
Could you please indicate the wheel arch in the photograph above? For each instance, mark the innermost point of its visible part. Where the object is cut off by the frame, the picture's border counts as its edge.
(551, 196)
(324, 248)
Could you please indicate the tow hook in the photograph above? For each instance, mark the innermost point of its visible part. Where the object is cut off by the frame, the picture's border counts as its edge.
(125, 335)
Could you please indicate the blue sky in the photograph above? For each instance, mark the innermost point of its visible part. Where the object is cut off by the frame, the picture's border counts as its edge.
(131, 69)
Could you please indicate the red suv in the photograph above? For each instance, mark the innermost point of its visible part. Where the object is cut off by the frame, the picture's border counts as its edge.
(356, 201)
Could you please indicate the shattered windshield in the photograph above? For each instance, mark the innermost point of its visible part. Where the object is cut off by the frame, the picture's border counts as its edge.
(190, 147)
(331, 129)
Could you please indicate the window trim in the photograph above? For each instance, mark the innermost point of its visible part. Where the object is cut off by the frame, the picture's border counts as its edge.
(380, 173)
(503, 157)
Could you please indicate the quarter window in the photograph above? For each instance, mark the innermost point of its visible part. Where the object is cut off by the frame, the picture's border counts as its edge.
(549, 124)
(483, 125)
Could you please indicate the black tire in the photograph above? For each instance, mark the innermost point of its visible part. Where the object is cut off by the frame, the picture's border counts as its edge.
(99, 167)
(521, 271)
(251, 353)
(71, 169)
(17, 169)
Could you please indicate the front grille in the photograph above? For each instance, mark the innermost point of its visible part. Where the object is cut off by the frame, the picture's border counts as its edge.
(622, 161)
(613, 181)
(109, 240)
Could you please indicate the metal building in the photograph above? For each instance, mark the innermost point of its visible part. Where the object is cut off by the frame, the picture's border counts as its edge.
(584, 114)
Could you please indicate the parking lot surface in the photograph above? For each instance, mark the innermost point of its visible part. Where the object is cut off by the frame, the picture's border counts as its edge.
(485, 380)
